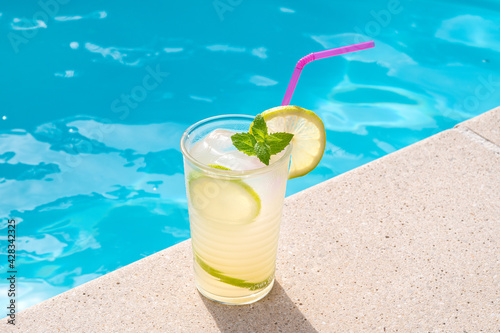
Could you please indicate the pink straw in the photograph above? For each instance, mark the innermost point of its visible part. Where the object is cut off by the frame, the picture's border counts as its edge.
(320, 55)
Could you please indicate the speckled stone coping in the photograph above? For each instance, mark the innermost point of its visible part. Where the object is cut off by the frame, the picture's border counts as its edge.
(487, 126)
(407, 243)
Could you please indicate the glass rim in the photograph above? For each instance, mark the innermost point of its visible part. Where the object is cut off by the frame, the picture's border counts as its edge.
(221, 172)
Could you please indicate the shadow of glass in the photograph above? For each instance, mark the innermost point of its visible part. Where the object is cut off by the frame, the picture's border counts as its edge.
(275, 313)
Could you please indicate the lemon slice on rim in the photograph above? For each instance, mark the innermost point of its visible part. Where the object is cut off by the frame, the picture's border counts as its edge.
(309, 137)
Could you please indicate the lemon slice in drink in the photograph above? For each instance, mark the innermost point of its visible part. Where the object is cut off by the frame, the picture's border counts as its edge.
(223, 201)
(309, 137)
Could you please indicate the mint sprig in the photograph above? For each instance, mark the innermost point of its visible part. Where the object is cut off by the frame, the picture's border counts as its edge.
(258, 142)
(244, 142)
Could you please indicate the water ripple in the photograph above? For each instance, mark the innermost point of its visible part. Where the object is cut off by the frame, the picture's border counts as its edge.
(21, 171)
(27, 24)
(262, 81)
(123, 55)
(470, 30)
(101, 14)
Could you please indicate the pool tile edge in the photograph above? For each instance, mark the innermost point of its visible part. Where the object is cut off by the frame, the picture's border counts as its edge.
(486, 125)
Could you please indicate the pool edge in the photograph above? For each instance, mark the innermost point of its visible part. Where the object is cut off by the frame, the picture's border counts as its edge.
(169, 298)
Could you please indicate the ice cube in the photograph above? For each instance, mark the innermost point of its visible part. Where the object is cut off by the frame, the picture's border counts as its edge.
(215, 144)
(236, 160)
(217, 148)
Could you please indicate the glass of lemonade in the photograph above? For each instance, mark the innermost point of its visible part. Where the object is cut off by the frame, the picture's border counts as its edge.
(235, 205)
(236, 187)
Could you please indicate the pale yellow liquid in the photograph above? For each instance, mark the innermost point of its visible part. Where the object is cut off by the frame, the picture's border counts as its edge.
(234, 260)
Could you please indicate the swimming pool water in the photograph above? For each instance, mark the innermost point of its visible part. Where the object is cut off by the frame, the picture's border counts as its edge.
(95, 96)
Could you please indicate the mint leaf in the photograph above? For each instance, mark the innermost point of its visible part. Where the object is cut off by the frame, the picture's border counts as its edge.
(259, 128)
(244, 142)
(260, 143)
(278, 141)
(263, 152)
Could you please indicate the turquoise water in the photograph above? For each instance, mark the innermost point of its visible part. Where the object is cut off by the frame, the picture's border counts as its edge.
(95, 96)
